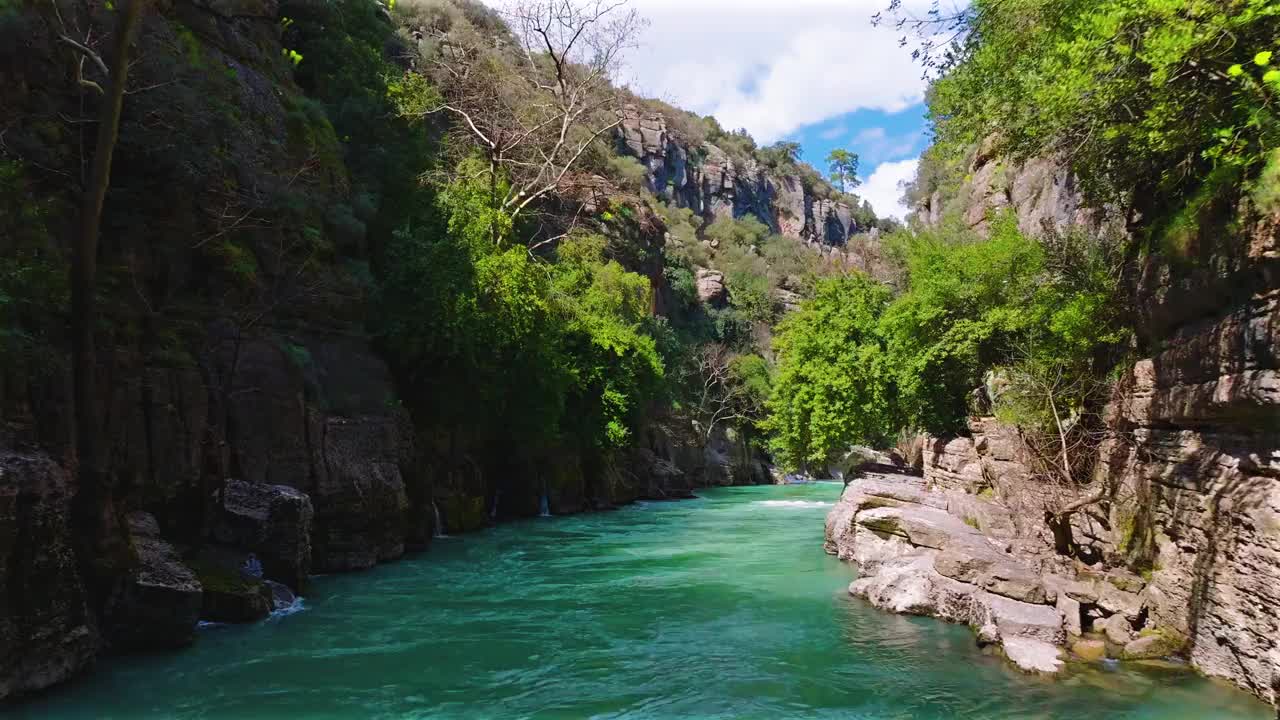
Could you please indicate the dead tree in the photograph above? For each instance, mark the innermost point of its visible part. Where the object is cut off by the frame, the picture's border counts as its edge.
(534, 110)
(95, 511)
(721, 396)
(1053, 407)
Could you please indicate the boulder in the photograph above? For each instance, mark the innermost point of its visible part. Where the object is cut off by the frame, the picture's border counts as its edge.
(1089, 650)
(1033, 656)
(1069, 609)
(1124, 580)
(711, 287)
(1121, 602)
(921, 526)
(281, 596)
(232, 592)
(1018, 619)
(1080, 591)
(271, 521)
(158, 603)
(980, 563)
(1118, 630)
(1153, 644)
(46, 634)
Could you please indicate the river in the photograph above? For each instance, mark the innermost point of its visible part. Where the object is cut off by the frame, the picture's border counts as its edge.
(721, 607)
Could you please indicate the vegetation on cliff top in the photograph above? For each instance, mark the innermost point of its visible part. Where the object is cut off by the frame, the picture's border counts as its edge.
(1162, 105)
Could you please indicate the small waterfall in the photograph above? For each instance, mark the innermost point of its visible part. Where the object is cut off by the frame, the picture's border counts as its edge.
(544, 506)
(437, 528)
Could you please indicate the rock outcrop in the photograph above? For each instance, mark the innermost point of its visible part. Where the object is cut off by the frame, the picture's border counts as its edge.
(47, 633)
(158, 603)
(271, 521)
(705, 179)
(711, 288)
(1192, 468)
(1041, 193)
(927, 550)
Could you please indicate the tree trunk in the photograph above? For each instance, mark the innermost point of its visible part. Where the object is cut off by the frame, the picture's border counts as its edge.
(94, 511)
(1064, 542)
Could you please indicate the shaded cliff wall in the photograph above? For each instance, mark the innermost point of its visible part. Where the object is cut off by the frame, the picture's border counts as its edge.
(251, 423)
(1196, 455)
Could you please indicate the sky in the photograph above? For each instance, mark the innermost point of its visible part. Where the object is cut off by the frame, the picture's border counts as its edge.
(812, 71)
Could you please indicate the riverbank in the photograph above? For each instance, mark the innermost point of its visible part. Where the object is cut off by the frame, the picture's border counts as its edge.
(723, 606)
(947, 554)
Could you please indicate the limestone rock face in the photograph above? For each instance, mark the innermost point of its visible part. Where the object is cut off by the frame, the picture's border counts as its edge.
(1041, 192)
(1200, 486)
(1197, 475)
(158, 604)
(46, 635)
(711, 287)
(712, 184)
(271, 521)
(916, 558)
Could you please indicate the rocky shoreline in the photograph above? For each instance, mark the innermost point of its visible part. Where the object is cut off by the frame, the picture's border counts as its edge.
(955, 556)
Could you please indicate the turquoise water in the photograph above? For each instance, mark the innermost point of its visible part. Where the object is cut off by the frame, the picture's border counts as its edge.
(722, 607)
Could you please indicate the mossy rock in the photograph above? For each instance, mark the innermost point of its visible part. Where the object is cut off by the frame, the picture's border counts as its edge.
(463, 513)
(1154, 643)
(885, 525)
(229, 596)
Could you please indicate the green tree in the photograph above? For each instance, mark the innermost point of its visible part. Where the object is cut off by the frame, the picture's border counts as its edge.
(844, 169)
(1152, 102)
(498, 342)
(856, 364)
(833, 385)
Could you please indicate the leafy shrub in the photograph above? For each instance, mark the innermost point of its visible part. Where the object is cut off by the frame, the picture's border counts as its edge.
(628, 172)
(833, 385)
(1144, 98)
(855, 364)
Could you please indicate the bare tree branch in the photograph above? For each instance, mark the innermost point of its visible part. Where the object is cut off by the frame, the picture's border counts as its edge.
(536, 109)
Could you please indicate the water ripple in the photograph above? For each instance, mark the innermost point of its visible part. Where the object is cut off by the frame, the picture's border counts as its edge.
(724, 607)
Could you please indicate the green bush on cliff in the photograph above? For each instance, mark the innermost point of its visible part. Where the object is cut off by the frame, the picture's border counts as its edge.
(33, 276)
(855, 364)
(1144, 98)
(348, 46)
(499, 341)
(833, 385)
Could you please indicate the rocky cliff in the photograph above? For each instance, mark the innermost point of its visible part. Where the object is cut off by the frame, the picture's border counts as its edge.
(1185, 547)
(704, 178)
(256, 435)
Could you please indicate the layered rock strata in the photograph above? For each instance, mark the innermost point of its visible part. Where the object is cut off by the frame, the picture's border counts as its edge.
(945, 553)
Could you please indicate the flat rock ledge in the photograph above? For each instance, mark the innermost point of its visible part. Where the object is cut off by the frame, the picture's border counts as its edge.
(923, 551)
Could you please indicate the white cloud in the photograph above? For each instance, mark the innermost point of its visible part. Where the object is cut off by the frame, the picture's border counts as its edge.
(834, 132)
(883, 189)
(875, 145)
(871, 135)
(770, 67)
